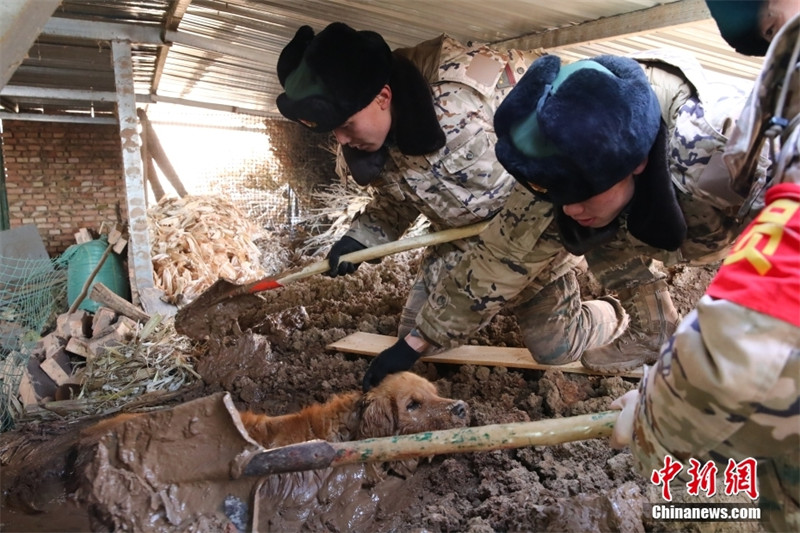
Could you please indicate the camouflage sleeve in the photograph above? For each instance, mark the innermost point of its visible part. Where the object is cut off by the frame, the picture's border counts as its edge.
(729, 379)
(715, 377)
(386, 217)
(517, 247)
(770, 96)
(461, 183)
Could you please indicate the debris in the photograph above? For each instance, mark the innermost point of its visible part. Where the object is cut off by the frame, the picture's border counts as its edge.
(197, 240)
(103, 362)
(102, 294)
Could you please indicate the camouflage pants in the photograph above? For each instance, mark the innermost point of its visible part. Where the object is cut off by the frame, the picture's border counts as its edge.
(556, 325)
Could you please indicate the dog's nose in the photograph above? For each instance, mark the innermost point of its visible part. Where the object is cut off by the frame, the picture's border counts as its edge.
(459, 409)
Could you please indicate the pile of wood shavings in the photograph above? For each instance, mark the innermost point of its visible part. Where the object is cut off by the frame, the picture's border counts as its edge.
(197, 240)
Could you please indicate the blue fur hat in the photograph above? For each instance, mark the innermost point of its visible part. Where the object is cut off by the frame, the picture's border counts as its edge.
(739, 23)
(572, 132)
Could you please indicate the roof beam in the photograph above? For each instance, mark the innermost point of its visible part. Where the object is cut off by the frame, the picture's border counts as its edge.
(20, 24)
(658, 17)
(102, 31)
(40, 93)
(154, 98)
(137, 34)
(174, 17)
(22, 91)
(72, 119)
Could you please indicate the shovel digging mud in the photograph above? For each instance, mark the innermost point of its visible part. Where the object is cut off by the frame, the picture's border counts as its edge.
(173, 467)
(224, 301)
(205, 440)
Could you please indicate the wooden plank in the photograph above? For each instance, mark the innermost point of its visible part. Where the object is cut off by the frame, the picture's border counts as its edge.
(371, 344)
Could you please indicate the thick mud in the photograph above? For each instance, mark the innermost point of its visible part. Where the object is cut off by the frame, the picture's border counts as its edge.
(270, 356)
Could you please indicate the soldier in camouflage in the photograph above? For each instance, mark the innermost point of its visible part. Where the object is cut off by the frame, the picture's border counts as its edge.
(420, 136)
(727, 384)
(577, 137)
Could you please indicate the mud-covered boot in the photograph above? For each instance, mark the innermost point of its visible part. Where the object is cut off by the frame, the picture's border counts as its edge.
(653, 320)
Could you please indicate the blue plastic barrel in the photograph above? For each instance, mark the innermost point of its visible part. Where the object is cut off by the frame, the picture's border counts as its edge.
(82, 263)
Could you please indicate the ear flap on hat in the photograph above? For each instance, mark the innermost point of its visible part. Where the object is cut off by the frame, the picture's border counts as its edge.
(365, 167)
(292, 54)
(416, 127)
(655, 217)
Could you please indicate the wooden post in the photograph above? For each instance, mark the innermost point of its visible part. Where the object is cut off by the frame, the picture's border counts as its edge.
(140, 260)
(156, 151)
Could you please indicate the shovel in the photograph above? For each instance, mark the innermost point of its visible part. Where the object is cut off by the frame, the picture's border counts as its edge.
(204, 439)
(322, 454)
(192, 318)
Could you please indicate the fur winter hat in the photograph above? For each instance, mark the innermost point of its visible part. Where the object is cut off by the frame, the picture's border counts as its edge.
(572, 132)
(329, 77)
(739, 24)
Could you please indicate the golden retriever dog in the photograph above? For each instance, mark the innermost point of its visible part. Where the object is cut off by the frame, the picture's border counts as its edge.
(401, 404)
(347, 497)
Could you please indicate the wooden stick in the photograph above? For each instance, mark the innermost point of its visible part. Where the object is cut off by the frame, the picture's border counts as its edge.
(90, 279)
(105, 296)
(322, 454)
(367, 254)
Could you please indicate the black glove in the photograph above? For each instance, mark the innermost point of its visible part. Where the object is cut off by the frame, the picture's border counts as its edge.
(400, 356)
(343, 246)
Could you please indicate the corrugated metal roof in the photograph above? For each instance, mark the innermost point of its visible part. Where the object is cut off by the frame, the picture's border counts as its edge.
(223, 53)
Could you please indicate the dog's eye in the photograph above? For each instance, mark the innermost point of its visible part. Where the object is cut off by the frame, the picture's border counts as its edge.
(412, 405)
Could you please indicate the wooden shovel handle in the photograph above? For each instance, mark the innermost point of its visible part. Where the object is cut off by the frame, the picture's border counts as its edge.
(322, 454)
(367, 254)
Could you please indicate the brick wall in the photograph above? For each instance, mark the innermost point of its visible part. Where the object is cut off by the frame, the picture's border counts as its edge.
(63, 177)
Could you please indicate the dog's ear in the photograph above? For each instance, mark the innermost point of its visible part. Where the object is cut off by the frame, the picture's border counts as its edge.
(378, 417)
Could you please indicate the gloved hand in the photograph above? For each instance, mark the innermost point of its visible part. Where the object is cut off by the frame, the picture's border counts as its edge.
(398, 357)
(343, 246)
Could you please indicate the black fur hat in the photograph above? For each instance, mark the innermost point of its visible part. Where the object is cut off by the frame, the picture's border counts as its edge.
(329, 77)
(572, 132)
(739, 24)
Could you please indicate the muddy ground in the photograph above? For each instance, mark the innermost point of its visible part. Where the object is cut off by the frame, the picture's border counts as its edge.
(580, 486)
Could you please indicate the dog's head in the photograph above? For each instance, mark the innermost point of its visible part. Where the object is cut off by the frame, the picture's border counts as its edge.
(406, 403)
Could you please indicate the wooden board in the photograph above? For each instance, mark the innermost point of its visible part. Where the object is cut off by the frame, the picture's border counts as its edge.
(372, 344)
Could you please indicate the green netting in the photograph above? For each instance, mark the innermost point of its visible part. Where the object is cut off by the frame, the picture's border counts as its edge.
(33, 292)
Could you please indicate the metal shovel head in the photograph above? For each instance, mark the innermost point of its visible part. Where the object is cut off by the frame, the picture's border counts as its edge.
(215, 310)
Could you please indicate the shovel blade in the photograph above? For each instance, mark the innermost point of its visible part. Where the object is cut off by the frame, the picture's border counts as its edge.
(215, 309)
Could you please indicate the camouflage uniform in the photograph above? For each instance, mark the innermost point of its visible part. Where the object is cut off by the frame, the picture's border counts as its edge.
(460, 184)
(519, 256)
(728, 384)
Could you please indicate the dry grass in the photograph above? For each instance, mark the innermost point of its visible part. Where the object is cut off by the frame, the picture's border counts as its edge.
(155, 360)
